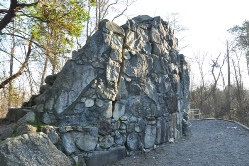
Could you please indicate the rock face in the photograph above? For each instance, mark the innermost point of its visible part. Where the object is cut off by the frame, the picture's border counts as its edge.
(6, 131)
(31, 149)
(14, 114)
(128, 86)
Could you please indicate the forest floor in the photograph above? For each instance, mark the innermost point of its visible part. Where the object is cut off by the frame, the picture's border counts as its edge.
(211, 143)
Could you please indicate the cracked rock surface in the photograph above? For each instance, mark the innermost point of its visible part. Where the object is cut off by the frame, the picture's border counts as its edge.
(127, 87)
(31, 149)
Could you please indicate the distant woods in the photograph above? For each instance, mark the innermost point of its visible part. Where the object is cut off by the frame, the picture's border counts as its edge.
(225, 96)
(241, 34)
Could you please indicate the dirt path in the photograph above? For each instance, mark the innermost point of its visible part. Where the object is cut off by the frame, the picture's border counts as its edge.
(213, 143)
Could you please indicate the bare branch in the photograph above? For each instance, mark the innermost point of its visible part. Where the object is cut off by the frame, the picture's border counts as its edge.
(214, 65)
(11, 14)
(4, 10)
(10, 55)
(24, 39)
(20, 71)
(30, 16)
(22, 5)
(107, 8)
(127, 5)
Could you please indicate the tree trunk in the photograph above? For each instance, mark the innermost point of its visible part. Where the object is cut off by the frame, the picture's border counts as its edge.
(247, 60)
(10, 15)
(99, 11)
(87, 23)
(53, 69)
(228, 83)
(216, 110)
(20, 71)
(12, 53)
(55, 64)
(97, 15)
(44, 70)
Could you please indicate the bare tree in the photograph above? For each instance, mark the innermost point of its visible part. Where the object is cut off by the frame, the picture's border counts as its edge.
(240, 104)
(10, 13)
(200, 62)
(174, 21)
(21, 69)
(228, 81)
(12, 54)
(215, 65)
(102, 9)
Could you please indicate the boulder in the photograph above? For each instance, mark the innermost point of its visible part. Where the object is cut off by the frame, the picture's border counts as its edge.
(104, 128)
(31, 102)
(150, 136)
(31, 149)
(87, 140)
(106, 157)
(110, 26)
(48, 118)
(52, 133)
(119, 110)
(50, 79)
(89, 102)
(142, 18)
(118, 138)
(106, 142)
(68, 143)
(14, 114)
(6, 131)
(133, 141)
(27, 118)
(43, 88)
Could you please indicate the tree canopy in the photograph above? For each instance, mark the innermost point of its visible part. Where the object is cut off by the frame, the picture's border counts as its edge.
(242, 34)
(53, 26)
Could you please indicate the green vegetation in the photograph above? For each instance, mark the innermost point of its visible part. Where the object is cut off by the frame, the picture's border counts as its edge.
(48, 28)
(203, 99)
(241, 35)
(37, 125)
(230, 101)
(37, 38)
(43, 126)
(55, 24)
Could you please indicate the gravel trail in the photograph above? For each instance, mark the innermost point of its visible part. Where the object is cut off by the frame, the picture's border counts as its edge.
(212, 143)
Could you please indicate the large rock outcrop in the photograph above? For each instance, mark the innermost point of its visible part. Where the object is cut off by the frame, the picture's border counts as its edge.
(126, 89)
(31, 149)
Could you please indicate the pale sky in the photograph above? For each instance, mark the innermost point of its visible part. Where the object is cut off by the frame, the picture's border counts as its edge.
(207, 21)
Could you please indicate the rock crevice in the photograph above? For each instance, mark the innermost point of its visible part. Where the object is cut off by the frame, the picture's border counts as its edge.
(126, 90)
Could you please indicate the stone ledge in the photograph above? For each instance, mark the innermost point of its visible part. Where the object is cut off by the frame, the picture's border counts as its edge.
(106, 157)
